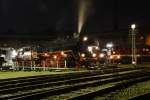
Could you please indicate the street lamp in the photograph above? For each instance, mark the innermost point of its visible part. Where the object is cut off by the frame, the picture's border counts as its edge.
(133, 26)
(134, 59)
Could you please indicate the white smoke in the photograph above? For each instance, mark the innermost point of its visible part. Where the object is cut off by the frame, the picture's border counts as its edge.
(83, 13)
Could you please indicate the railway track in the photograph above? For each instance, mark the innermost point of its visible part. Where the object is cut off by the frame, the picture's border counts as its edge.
(117, 86)
(9, 83)
(39, 78)
(68, 81)
(141, 97)
(67, 85)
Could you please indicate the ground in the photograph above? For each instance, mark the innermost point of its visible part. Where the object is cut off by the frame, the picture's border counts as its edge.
(6, 75)
(16, 74)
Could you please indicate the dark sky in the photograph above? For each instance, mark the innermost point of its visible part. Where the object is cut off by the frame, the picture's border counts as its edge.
(26, 17)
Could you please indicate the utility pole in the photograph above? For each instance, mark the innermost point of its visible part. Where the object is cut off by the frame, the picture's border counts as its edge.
(134, 57)
(31, 57)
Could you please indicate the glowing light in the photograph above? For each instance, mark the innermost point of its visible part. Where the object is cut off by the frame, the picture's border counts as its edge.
(55, 57)
(104, 50)
(109, 45)
(27, 53)
(93, 55)
(85, 38)
(118, 57)
(101, 55)
(133, 62)
(82, 55)
(21, 49)
(114, 52)
(2, 55)
(90, 49)
(133, 26)
(62, 53)
(96, 47)
(14, 53)
(45, 54)
(111, 57)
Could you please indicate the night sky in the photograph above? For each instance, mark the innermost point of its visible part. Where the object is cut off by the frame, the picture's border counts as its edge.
(30, 17)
